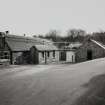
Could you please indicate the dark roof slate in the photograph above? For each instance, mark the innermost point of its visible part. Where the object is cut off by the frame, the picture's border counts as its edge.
(21, 43)
(98, 43)
(46, 47)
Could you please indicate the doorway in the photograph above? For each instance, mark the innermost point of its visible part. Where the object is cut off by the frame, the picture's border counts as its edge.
(89, 55)
(63, 56)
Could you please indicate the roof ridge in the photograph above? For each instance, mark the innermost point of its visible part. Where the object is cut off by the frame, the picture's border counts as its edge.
(98, 43)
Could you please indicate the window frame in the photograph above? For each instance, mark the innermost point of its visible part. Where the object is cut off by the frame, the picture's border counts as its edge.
(48, 54)
(43, 54)
(4, 55)
(2, 42)
(53, 53)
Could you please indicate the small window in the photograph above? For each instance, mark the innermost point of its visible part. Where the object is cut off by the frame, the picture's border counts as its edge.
(48, 53)
(43, 54)
(1, 42)
(72, 58)
(4, 55)
(54, 54)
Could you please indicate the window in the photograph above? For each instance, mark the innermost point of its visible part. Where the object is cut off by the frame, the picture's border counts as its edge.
(1, 42)
(54, 54)
(43, 54)
(72, 58)
(48, 53)
(4, 55)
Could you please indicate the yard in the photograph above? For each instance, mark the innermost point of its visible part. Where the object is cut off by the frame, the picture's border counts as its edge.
(62, 84)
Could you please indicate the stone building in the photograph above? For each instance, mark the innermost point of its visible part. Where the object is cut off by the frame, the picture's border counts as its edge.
(67, 53)
(89, 50)
(44, 54)
(26, 50)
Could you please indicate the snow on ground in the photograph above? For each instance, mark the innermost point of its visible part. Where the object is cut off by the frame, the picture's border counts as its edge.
(60, 84)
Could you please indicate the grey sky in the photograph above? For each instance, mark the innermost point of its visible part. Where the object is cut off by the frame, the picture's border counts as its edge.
(40, 16)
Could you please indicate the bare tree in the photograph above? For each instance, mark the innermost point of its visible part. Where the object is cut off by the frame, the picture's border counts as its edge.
(54, 35)
(75, 35)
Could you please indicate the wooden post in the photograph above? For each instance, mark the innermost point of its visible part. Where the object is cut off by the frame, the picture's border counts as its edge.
(11, 59)
(45, 57)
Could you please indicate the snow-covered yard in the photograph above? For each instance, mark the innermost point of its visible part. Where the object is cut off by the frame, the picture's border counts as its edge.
(61, 84)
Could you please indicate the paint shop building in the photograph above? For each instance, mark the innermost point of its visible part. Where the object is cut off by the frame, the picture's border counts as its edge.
(26, 50)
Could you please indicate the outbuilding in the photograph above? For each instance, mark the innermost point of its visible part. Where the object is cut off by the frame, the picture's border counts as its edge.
(44, 54)
(90, 49)
(26, 50)
(67, 55)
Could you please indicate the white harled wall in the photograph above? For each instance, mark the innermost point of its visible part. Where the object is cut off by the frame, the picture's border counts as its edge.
(49, 59)
(70, 56)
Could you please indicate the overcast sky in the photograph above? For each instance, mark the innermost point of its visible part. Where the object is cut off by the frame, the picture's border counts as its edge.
(40, 16)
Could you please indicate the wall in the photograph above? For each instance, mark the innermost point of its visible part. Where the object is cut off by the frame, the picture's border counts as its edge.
(70, 56)
(16, 56)
(34, 56)
(21, 57)
(97, 51)
(57, 56)
(49, 59)
(67, 56)
(41, 59)
(4, 52)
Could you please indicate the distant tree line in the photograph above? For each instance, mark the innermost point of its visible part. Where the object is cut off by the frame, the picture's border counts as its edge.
(99, 36)
(73, 35)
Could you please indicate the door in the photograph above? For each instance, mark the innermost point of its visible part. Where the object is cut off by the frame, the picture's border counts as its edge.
(63, 56)
(89, 55)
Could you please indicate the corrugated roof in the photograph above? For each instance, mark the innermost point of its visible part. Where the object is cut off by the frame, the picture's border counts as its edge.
(76, 45)
(17, 46)
(46, 47)
(21, 43)
(17, 43)
(98, 43)
(73, 45)
(28, 39)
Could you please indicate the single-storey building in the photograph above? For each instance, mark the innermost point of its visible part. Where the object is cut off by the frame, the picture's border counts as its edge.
(44, 54)
(26, 50)
(90, 49)
(67, 53)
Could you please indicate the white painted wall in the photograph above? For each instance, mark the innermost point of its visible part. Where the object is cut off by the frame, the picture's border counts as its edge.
(50, 59)
(70, 56)
(41, 59)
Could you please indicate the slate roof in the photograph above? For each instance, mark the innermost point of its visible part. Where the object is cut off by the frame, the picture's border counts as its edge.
(98, 43)
(77, 45)
(46, 47)
(73, 45)
(21, 43)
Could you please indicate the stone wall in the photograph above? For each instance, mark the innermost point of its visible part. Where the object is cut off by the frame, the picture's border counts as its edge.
(70, 56)
(50, 59)
(97, 51)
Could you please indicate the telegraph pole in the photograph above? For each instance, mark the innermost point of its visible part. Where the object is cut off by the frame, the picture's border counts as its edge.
(45, 58)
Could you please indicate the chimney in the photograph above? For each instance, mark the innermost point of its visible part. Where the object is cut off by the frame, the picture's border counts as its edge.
(24, 35)
(7, 32)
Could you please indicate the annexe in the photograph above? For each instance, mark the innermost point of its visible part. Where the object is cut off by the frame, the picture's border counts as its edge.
(45, 53)
(89, 50)
(67, 53)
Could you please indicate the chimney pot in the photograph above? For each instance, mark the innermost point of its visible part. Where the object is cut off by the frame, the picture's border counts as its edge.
(7, 32)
